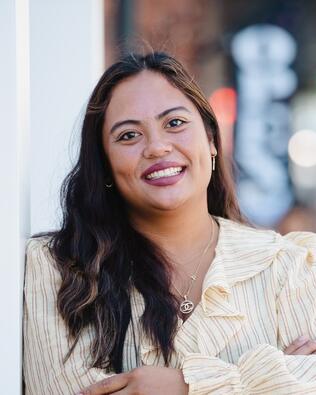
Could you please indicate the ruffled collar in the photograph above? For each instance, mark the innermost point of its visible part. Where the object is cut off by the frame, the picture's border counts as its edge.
(241, 253)
(236, 260)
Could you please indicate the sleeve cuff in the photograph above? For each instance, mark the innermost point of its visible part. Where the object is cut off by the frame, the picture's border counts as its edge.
(262, 370)
(209, 374)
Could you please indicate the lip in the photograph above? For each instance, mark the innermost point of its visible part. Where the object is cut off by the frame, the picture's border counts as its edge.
(161, 166)
(166, 181)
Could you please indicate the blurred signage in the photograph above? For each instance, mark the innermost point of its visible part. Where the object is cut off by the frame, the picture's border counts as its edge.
(263, 54)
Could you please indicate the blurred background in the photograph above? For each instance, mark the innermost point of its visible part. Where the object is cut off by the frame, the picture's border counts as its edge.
(256, 63)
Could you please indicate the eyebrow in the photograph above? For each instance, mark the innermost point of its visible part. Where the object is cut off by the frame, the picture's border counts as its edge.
(136, 122)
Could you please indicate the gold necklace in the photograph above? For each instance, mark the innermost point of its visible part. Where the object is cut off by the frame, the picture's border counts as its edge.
(187, 305)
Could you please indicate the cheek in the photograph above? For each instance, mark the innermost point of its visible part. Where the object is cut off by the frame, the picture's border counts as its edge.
(205, 158)
(123, 163)
(122, 169)
(200, 147)
(123, 178)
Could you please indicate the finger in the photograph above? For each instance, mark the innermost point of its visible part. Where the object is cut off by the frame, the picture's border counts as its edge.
(307, 349)
(299, 342)
(124, 391)
(107, 386)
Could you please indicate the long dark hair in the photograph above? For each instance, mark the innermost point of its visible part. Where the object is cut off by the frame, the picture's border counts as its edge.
(100, 256)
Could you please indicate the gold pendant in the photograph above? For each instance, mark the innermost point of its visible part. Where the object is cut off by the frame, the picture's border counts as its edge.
(186, 306)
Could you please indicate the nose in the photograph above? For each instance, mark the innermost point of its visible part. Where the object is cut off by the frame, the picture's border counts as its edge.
(157, 147)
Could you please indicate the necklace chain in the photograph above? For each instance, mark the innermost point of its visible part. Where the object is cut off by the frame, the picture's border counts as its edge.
(187, 305)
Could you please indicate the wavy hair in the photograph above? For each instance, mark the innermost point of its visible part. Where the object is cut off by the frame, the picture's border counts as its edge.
(99, 254)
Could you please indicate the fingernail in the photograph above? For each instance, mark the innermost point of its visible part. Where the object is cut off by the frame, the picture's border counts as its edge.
(302, 338)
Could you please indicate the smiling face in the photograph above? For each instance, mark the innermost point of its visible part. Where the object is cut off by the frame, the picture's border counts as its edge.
(157, 146)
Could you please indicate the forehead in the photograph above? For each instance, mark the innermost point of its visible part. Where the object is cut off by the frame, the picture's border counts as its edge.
(144, 96)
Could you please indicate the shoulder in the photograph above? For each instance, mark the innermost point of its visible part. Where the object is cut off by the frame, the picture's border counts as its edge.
(40, 266)
(242, 233)
(244, 240)
(303, 241)
(296, 259)
(37, 244)
(37, 251)
(249, 250)
(250, 238)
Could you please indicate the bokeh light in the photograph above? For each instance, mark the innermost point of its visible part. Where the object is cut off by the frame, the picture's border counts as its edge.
(302, 148)
(224, 103)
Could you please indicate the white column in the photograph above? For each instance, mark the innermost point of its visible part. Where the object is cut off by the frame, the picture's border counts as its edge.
(51, 56)
(14, 176)
(67, 56)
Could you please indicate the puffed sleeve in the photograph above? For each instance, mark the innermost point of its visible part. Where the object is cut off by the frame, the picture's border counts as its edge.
(266, 369)
(296, 303)
(262, 370)
(45, 334)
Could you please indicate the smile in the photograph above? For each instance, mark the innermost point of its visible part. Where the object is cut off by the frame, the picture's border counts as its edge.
(169, 172)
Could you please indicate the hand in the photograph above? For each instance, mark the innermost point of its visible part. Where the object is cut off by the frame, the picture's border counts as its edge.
(146, 380)
(301, 346)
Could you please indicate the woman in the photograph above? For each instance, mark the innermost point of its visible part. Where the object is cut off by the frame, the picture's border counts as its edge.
(153, 284)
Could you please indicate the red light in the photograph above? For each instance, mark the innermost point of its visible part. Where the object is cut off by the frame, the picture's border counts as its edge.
(224, 103)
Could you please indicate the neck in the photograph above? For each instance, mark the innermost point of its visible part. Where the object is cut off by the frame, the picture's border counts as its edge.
(180, 233)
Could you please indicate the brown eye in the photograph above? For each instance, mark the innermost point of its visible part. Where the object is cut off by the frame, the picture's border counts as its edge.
(175, 122)
(128, 136)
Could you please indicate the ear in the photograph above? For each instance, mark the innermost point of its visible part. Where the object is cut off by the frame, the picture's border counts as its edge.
(213, 149)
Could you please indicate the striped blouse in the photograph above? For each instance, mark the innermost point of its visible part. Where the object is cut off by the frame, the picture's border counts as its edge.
(259, 295)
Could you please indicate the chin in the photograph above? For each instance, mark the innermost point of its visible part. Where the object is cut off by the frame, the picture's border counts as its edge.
(168, 205)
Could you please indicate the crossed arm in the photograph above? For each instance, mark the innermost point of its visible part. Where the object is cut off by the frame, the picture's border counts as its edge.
(161, 381)
(263, 370)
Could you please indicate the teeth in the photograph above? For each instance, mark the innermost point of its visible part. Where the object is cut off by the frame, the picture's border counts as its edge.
(171, 171)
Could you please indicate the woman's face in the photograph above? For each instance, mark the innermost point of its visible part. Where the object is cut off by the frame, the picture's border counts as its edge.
(157, 145)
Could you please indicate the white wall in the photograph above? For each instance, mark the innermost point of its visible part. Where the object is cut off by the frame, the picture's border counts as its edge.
(51, 56)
